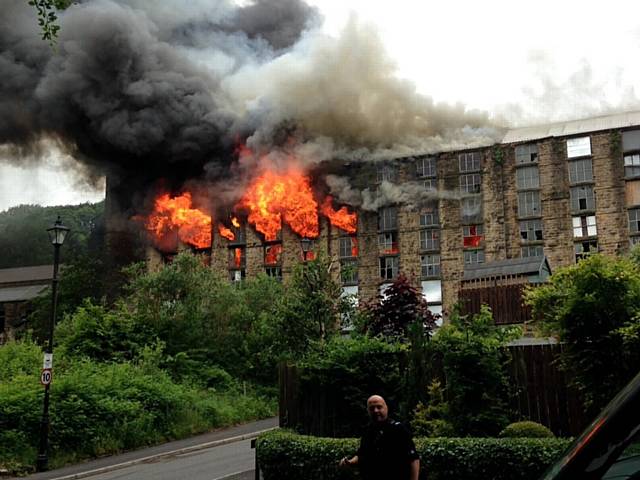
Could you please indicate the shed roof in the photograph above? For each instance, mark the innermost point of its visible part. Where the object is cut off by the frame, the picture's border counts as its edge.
(502, 268)
(37, 274)
(20, 294)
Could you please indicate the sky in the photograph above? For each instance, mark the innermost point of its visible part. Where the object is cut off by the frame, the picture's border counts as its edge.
(523, 62)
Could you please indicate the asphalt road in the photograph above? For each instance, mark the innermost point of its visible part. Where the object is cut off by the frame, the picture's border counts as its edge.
(222, 454)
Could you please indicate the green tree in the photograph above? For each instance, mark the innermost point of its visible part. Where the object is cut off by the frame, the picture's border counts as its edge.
(594, 309)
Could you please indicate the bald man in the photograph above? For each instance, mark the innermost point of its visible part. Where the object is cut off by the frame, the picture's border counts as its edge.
(386, 449)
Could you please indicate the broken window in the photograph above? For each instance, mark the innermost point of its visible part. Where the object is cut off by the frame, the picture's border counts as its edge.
(529, 204)
(348, 247)
(388, 242)
(389, 268)
(430, 239)
(388, 219)
(273, 254)
(473, 256)
(578, 147)
(531, 230)
(385, 173)
(426, 167)
(580, 171)
(584, 249)
(582, 198)
(527, 153)
(472, 235)
(349, 272)
(634, 220)
(527, 177)
(469, 162)
(430, 265)
(531, 251)
(470, 183)
(584, 226)
(237, 257)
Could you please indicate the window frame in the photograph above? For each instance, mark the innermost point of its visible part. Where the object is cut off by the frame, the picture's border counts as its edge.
(387, 215)
(394, 268)
(528, 249)
(429, 239)
(469, 162)
(584, 227)
(526, 182)
(590, 200)
(521, 156)
(426, 169)
(430, 269)
(574, 176)
(529, 228)
(575, 147)
(471, 254)
(385, 173)
(470, 183)
(636, 213)
(349, 266)
(527, 208)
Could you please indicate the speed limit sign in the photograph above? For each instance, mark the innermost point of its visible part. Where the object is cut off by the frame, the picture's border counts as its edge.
(45, 376)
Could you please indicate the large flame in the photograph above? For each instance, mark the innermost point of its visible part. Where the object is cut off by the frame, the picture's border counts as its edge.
(226, 232)
(276, 197)
(176, 215)
(339, 218)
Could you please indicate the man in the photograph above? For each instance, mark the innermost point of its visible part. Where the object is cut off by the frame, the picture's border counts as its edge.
(386, 449)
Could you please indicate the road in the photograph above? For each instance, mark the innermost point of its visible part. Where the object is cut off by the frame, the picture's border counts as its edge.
(223, 454)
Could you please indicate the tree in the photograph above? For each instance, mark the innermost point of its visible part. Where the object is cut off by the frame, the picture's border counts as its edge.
(594, 309)
(47, 17)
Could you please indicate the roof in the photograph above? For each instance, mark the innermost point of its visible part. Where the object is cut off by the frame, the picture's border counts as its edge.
(573, 127)
(19, 294)
(502, 268)
(40, 273)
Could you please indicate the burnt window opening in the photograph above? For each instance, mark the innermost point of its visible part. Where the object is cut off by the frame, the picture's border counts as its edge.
(430, 239)
(430, 265)
(531, 230)
(470, 183)
(349, 271)
(581, 171)
(469, 162)
(273, 254)
(472, 235)
(387, 219)
(584, 226)
(348, 247)
(582, 198)
(578, 147)
(527, 153)
(529, 204)
(584, 249)
(388, 242)
(527, 177)
(426, 167)
(385, 173)
(531, 251)
(237, 257)
(472, 257)
(389, 268)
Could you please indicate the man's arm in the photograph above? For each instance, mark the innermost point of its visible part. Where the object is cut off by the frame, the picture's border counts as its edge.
(351, 461)
(415, 469)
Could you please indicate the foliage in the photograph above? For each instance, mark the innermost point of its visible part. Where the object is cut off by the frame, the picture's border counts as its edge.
(401, 305)
(99, 408)
(47, 18)
(430, 420)
(349, 370)
(475, 379)
(283, 455)
(594, 309)
(526, 429)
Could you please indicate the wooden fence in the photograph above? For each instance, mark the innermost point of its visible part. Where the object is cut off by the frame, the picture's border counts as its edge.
(540, 391)
(505, 302)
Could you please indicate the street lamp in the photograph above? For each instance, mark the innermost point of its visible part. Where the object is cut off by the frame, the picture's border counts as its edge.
(305, 243)
(57, 234)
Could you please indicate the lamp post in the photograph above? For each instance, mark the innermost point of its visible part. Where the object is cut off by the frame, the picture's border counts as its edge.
(305, 243)
(57, 234)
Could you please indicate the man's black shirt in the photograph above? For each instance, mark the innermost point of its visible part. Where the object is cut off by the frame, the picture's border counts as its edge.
(386, 451)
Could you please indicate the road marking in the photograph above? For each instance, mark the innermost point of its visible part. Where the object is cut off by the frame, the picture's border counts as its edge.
(232, 475)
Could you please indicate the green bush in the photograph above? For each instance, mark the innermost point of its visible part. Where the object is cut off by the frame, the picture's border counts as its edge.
(286, 456)
(429, 420)
(526, 429)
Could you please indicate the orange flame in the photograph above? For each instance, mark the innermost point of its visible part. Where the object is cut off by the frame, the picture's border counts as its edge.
(354, 247)
(235, 222)
(237, 257)
(339, 218)
(226, 232)
(273, 197)
(272, 254)
(176, 215)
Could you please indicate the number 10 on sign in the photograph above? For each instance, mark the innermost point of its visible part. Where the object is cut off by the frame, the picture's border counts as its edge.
(45, 376)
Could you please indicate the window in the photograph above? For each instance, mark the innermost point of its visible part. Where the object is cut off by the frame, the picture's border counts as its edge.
(275, 272)
(426, 167)
(430, 218)
(430, 239)
(529, 204)
(578, 147)
(348, 247)
(531, 230)
(634, 220)
(432, 293)
(584, 249)
(632, 192)
(584, 226)
(527, 177)
(634, 240)
(349, 272)
(388, 219)
(430, 184)
(632, 165)
(385, 173)
(471, 209)
(469, 162)
(470, 183)
(472, 235)
(526, 153)
(237, 257)
(388, 242)
(531, 251)
(273, 254)
(237, 275)
(389, 267)
(582, 198)
(580, 171)
(430, 265)
(473, 256)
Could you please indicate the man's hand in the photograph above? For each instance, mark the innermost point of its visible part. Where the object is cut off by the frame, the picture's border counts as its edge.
(348, 462)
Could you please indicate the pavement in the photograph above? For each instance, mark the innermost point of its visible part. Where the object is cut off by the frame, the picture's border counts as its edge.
(150, 454)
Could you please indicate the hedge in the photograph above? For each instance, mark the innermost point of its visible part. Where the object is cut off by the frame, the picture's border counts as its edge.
(283, 455)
